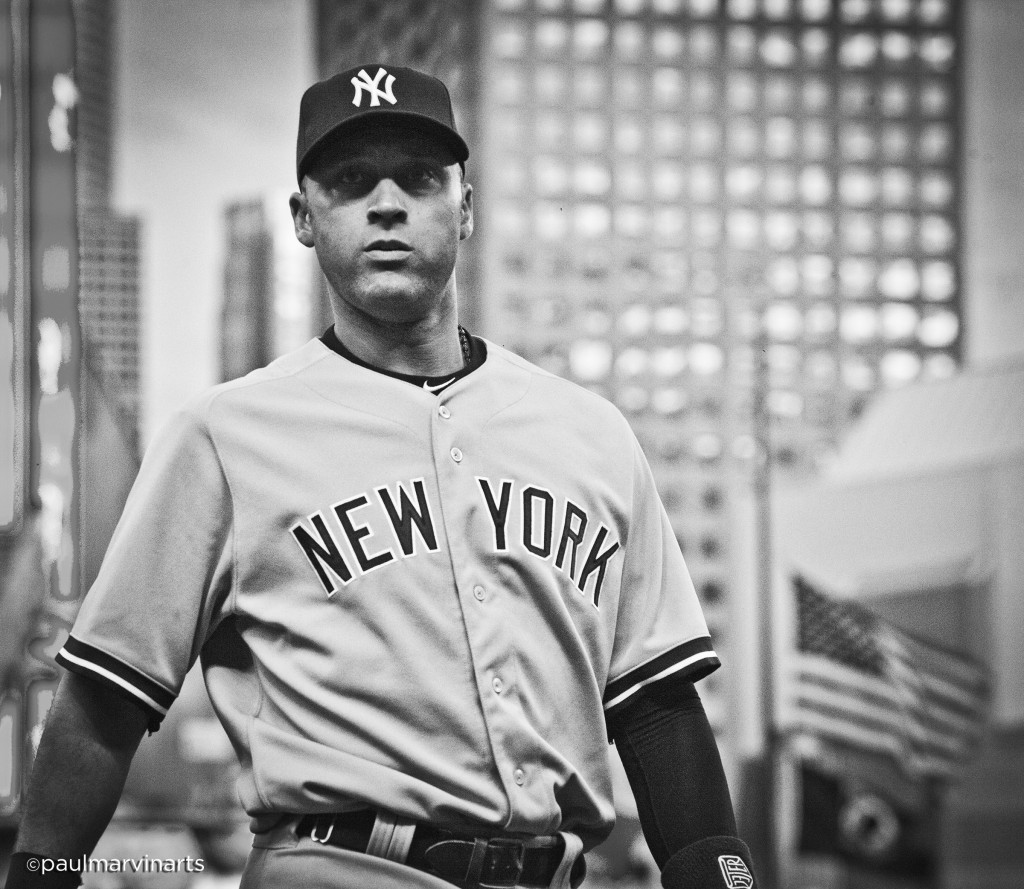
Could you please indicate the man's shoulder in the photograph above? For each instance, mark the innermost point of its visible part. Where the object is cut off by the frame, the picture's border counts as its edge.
(276, 379)
(291, 366)
(563, 392)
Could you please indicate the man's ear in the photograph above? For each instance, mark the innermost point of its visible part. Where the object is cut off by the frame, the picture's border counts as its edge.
(466, 212)
(299, 205)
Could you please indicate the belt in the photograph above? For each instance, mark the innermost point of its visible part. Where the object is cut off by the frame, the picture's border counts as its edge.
(465, 861)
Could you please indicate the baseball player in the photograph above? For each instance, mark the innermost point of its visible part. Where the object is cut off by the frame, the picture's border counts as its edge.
(427, 581)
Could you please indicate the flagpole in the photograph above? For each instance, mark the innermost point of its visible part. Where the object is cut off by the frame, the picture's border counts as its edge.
(761, 421)
(933, 801)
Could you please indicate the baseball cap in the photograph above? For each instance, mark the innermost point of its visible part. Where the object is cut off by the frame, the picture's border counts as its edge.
(370, 93)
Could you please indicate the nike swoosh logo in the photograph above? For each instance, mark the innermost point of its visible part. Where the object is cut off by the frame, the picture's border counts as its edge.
(437, 387)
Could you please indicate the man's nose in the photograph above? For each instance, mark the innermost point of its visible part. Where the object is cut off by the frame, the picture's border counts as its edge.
(387, 203)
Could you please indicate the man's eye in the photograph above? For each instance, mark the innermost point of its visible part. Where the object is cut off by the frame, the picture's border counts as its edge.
(420, 175)
(350, 176)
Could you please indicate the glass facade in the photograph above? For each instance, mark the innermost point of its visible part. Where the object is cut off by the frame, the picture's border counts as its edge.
(267, 308)
(109, 242)
(109, 282)
(726, 216)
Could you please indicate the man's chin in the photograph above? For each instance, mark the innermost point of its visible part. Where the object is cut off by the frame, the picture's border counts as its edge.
(398, 303)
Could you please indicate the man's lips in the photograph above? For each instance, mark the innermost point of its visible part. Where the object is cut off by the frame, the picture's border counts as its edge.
(387, 249)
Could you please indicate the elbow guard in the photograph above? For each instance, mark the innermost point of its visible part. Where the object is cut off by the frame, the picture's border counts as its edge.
(720, 862)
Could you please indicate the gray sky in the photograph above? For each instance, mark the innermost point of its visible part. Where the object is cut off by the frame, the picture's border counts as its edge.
(208, 97)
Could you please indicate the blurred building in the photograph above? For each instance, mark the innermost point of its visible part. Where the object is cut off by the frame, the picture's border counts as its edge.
(69, 401)
(41, 382)
(108, 241)
(109, 278)
(736, 219)
(95, 58)
(246, 312)
(271, 304)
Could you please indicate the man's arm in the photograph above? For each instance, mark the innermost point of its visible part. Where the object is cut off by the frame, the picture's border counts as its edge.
(675, 771)
(90, 737)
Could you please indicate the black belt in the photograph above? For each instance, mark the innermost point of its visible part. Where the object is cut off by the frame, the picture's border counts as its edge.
(501, 862)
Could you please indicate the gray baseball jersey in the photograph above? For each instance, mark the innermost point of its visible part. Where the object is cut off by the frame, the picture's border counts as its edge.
(424, 603)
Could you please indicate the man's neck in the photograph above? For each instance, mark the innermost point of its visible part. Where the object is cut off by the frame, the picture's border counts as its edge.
(474, 353)
(425, 348)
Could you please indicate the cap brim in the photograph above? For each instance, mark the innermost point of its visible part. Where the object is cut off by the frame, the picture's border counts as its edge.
(411, 119)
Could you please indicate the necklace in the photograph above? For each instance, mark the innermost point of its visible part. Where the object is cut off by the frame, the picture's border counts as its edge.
(467, 349)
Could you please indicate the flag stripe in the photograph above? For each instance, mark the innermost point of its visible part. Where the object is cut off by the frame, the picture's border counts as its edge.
(857, 708)
(819, 670)
(876, 741)
(825, 699)
(860, 680)
(854, 712)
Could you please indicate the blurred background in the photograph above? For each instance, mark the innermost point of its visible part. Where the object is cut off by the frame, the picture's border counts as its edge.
(783, 236)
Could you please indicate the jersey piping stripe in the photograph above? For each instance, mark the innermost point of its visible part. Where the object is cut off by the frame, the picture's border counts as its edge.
(91, 659)
(68, 660)
(709, 658)
(694, 659)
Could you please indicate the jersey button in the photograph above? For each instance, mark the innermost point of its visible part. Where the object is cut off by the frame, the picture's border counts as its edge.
(497, 685)
(478, 593)
(456, 455)
(520, 777)
(444, 412)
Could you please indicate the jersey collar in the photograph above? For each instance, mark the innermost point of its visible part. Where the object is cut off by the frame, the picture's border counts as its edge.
(435, 385)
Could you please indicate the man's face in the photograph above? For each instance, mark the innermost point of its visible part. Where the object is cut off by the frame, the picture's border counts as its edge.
(385, 210)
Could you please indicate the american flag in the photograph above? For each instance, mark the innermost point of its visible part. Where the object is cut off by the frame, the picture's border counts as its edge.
(860, 681)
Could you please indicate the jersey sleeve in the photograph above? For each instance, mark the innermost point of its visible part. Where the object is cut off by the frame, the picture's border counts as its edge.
(660, 633)
(165, 576)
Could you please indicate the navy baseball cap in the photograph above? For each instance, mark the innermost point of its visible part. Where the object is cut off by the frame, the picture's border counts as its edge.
(371, 93)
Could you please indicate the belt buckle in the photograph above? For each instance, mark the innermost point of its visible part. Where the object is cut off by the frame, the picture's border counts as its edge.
(322, 840)
(503, 863)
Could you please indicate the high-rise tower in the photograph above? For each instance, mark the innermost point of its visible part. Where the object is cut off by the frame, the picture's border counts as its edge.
(108, 240)
(67, 451)
(735, 218)
(268, 285)
(40, 375)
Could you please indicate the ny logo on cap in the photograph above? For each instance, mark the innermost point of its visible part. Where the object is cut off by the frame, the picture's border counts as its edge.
(735, 872)
(362, 82)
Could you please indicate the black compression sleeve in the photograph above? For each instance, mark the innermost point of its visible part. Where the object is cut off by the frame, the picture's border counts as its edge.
(674, 769)
(27, 872)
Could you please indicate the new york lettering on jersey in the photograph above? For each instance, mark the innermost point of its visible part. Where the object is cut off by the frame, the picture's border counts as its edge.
(527, 516)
